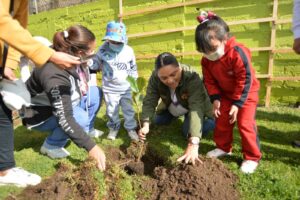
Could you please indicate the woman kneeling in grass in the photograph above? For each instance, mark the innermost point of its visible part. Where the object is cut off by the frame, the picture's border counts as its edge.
(62, 102)
(183, 94)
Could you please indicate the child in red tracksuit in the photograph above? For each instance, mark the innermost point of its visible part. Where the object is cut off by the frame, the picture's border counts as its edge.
(232, 86)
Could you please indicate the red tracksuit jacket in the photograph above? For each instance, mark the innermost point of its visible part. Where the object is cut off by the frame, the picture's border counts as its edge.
(232, 76)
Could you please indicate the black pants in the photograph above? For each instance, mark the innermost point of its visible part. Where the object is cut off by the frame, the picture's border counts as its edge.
(7, 160)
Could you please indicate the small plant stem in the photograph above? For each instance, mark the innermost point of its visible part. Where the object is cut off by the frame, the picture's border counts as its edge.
(138, 115)
(140, 126)
(140, 152)
(124, 163)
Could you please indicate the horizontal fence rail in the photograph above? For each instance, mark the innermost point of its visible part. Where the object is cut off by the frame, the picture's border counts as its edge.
(271, 49)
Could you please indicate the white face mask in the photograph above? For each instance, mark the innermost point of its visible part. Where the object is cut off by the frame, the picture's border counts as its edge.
(217, 54)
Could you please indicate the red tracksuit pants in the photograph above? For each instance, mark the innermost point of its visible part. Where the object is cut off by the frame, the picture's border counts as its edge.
(223, 133)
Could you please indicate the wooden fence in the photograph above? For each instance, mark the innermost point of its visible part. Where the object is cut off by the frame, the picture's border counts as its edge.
(271, 49)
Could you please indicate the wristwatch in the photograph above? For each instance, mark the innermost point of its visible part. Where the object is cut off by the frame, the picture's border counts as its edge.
(194, 140)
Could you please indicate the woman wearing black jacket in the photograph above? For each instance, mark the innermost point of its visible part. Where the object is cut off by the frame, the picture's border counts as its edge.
(62, 101)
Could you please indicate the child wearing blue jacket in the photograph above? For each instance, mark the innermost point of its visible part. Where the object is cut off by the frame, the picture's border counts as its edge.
(117, 61)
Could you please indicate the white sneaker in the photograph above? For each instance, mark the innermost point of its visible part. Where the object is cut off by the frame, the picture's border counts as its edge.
(133, 135)
(112, 134)
(55, 153)
(217, 153)
(19, 177)
(249, 166)
(95, 133)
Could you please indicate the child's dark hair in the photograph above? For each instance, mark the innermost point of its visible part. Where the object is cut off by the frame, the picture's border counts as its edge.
(210, 29)
(164, 59)
(73, 39)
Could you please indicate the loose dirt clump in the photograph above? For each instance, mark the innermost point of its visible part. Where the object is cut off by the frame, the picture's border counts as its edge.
(210, 180)
(66, 183)
(143, 159)
(135, 152)
(151, 179)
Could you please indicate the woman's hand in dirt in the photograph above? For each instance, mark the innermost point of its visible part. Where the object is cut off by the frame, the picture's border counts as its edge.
(98, 154)
(144, 131)
(216, 108)
(233, 113)
(64, 60)
(190, 154)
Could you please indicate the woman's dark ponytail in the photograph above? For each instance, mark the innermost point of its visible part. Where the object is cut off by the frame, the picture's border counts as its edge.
(73, 39)
(60, 44)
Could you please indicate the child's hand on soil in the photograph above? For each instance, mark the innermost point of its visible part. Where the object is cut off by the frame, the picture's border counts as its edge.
(216, 108)
(144, 131)
(233, 113)
(98, 154)
(190, 154)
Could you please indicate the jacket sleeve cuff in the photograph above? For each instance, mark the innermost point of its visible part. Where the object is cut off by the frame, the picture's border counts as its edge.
(214, 97)
(89, 145)
(145, 118)
(196, 135)
(238, 103)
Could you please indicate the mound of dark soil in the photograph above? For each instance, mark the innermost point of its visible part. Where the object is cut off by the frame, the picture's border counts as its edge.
(143, 159)
(66, 183)
(210, 180)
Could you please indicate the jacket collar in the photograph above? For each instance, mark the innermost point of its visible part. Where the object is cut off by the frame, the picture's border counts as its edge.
(182, 76)
(230, 44)
(72, 71)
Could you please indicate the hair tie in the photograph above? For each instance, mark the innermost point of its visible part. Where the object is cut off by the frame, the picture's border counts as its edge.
(66, 34)
(205, 16)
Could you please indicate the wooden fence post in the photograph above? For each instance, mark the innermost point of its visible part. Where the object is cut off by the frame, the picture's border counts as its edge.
(120, 10)
(269, 77)
(271, 55)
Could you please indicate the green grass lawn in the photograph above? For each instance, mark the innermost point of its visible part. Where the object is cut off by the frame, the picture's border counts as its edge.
(277, 177)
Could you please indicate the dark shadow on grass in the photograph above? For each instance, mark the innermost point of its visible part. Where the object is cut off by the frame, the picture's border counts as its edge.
(160, 135)
(100, 123)
(24, 138)
(204, 148)
(287, 155)
(277, 117)
(274, 145)
(276, 136)
(160, 138)
(126, 140)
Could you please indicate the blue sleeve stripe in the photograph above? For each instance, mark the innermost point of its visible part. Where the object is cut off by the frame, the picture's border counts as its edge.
(246, 63)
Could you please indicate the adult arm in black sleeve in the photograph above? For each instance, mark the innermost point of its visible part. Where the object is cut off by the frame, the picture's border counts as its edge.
(58, 89)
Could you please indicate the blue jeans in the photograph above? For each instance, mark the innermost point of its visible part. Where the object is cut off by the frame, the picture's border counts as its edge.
(84, 113)
(113, 103)
(7, 159)
(166, 118)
